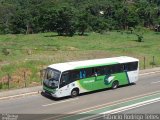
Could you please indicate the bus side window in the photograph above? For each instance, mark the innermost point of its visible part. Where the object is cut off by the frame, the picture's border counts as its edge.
(113, 69)
(75, 75)
(118, 68)
(89, 72)
(82, 74)
(65, 79)
(100, 70)
(125, 66)
(107, 70)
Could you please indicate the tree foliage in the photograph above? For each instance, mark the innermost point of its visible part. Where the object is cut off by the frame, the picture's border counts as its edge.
(66, 17)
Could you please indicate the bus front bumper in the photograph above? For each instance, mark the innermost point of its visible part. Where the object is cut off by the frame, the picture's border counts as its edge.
(49, 93)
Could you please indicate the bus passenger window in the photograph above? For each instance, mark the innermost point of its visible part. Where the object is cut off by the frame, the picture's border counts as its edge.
(82, 74)
(101, 70)
(125, 67)
(108, 70)
(89, 72)
(75, 75)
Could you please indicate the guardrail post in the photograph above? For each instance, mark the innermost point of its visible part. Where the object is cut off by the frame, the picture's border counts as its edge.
(1, 85)
(9, 77)
(25, 82)
(41, 75)
(153, 62)
(144, 63)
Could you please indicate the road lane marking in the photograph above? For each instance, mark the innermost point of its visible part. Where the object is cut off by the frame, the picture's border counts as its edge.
(102, 106)
(148, 73)
(155, 82)
(20, 95)
(139, 105)
(114, 108)
(118, 110)
(123, 102)
(60, 102)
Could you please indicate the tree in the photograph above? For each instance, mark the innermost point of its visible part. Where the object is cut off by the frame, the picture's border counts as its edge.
(66, 21)
(6, 12)
(25, 18)
(47, 19)
(82, 24)
(67, 16)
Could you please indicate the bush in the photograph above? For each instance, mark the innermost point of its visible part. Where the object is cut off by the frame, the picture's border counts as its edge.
(6, 51)
(140, 38)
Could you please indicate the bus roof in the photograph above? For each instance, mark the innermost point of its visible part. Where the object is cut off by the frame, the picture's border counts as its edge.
(91, 63)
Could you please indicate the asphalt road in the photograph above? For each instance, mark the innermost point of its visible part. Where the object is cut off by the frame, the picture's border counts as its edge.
(153, 108)
(146, 112)
(42, 105)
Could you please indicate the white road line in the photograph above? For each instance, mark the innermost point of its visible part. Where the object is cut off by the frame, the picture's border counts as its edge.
(121, 100)
(133, 106)
(20, 95)
(125, 100)
(121, 109)
(149, 73)
(155, 82)
(84, 111)
(60, 102)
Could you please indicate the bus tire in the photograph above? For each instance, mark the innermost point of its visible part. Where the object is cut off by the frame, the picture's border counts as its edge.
(133, 83)
(75, 92)
(115, 85)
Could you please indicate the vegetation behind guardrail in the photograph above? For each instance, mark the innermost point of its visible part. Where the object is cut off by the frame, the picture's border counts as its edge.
(23, 56)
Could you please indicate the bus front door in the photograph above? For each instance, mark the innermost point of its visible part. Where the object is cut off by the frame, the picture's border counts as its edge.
(64, 84)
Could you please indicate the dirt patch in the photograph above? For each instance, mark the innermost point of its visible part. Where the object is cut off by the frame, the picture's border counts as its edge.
(71, 48)
(4, 79)
(34, 84)
(65, 56)
(18, 77)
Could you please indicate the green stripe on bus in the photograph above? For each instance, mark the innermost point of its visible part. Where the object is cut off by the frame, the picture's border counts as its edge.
(49, 89)
(101, 82)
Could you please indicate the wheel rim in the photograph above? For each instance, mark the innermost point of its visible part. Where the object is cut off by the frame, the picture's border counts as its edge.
(74, 93)
(115, 85)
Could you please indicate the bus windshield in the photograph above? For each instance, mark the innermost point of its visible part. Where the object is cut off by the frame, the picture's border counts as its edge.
(51, 78)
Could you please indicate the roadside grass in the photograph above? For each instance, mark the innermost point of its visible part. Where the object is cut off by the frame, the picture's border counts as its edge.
(31, 53)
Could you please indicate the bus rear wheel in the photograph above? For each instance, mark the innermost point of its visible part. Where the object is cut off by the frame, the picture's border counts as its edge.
(74, 93)
(115, 84)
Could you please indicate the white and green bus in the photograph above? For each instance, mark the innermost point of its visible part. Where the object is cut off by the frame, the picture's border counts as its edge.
(73, 78)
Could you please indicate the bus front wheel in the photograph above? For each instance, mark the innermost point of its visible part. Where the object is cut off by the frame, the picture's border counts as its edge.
(74, 93)
(115, 84)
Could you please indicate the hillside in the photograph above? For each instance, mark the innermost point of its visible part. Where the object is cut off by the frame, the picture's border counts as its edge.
(28, 54)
